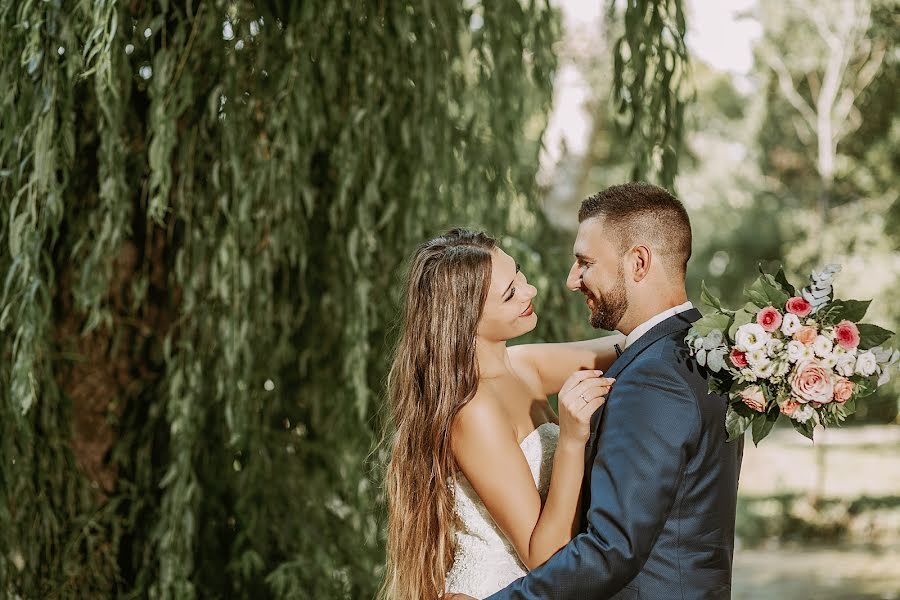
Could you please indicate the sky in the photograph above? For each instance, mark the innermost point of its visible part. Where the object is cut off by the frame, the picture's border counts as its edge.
(716, 35)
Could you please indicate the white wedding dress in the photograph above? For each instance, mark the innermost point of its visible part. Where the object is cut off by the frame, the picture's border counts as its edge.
(485, 561)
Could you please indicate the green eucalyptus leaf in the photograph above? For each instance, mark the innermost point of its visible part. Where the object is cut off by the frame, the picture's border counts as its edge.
(735, 423)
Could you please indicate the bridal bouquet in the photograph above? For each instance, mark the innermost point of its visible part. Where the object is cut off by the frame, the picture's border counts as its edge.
(802, 355)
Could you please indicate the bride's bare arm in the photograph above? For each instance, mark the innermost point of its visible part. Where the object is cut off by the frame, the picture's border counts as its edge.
(488, 454)
(552, 364)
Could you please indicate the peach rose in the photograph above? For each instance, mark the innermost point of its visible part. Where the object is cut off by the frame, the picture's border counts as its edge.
(843, 389)
(806, 335)
(769, 318)
(738, 358)
(753, 397)
(789, 407)
(812, 382)
(798, 306)
(847, 335)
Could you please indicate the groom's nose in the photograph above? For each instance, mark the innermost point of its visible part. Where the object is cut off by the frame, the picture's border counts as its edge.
(573, 281)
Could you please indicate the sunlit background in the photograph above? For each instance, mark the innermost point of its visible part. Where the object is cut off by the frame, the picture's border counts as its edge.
(815, 521)
(207, 207)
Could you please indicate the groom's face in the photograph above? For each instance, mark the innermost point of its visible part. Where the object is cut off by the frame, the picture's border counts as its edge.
(598, 273)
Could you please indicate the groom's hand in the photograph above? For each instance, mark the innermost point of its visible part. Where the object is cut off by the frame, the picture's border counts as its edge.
(458, 597)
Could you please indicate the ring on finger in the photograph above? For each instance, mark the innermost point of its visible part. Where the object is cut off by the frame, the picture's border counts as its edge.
(583, 399)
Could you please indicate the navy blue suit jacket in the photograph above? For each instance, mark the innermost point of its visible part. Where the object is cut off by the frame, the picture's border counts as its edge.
(660, 486)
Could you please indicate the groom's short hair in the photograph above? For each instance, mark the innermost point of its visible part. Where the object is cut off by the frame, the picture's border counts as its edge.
(638, 213)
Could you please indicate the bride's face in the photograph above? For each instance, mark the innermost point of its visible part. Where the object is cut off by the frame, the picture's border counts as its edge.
(508, 311)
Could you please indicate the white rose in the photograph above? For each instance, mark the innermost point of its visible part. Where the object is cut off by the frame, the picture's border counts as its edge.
(822, 346)
(846, 364)
(790, 324)
(866, 364)
(804, 413)
(795, 350)
(829, 361)
(751, 337)
(840, 350)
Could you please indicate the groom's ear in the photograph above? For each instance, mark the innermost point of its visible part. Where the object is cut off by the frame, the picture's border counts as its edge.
(641, 257)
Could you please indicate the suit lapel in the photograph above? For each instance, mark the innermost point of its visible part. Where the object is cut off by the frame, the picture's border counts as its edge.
(679, 322)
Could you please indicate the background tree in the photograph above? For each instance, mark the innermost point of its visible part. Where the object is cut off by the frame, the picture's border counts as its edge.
(834, 59)
(207, 208)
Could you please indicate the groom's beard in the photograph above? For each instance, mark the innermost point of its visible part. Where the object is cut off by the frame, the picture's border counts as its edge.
(609, 307)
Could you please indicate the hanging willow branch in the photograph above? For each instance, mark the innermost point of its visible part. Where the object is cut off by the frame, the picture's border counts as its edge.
(206, 211)
(650, 88)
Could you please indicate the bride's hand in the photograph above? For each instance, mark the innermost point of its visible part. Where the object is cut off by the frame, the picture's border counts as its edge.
(581, 395)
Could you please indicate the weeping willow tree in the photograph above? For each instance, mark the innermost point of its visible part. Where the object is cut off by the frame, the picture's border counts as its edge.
(206, 207)
(650, 85)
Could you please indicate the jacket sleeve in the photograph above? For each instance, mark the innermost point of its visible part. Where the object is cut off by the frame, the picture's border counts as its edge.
(648, 432)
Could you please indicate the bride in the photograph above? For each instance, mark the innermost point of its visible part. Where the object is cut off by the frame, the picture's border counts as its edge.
(472, 504)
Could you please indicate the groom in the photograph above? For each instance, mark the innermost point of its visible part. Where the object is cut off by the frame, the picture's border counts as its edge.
(660, 487)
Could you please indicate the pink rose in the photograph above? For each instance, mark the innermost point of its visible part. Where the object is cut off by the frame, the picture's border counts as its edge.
(789, 407)
(847, 335)
(753, 397)
(769, 318)
(798, 306)
(738, 358)
(812, 382)
(806, 335)
(843, 389)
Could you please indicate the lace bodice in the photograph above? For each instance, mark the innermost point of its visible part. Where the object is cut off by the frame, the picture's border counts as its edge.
(485, 560)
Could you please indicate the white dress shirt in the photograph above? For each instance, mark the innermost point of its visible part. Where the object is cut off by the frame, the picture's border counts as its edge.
(649, 323)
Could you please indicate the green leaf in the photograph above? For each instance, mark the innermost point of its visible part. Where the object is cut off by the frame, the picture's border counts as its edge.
(720, 384)
(765, 291)
(864, 386)
(785, 284)
(854, 310)
(707, 298)
(805, 429)
(741, 317)
(872, 335)
(712, 321)
(735, 423)
(762, 425)
(851, 310)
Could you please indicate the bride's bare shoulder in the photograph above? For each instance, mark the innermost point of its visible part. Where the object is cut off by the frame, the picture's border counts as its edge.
(483, 415)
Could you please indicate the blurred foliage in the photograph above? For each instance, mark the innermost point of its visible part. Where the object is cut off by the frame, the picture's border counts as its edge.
(791, 518)
(206, 211)
(207, 208)
(749, 175)
(650, 85)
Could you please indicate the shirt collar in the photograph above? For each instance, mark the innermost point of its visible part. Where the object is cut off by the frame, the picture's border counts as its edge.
(659, 318)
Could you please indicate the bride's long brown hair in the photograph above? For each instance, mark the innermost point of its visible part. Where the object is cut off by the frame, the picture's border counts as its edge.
(434, 374)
